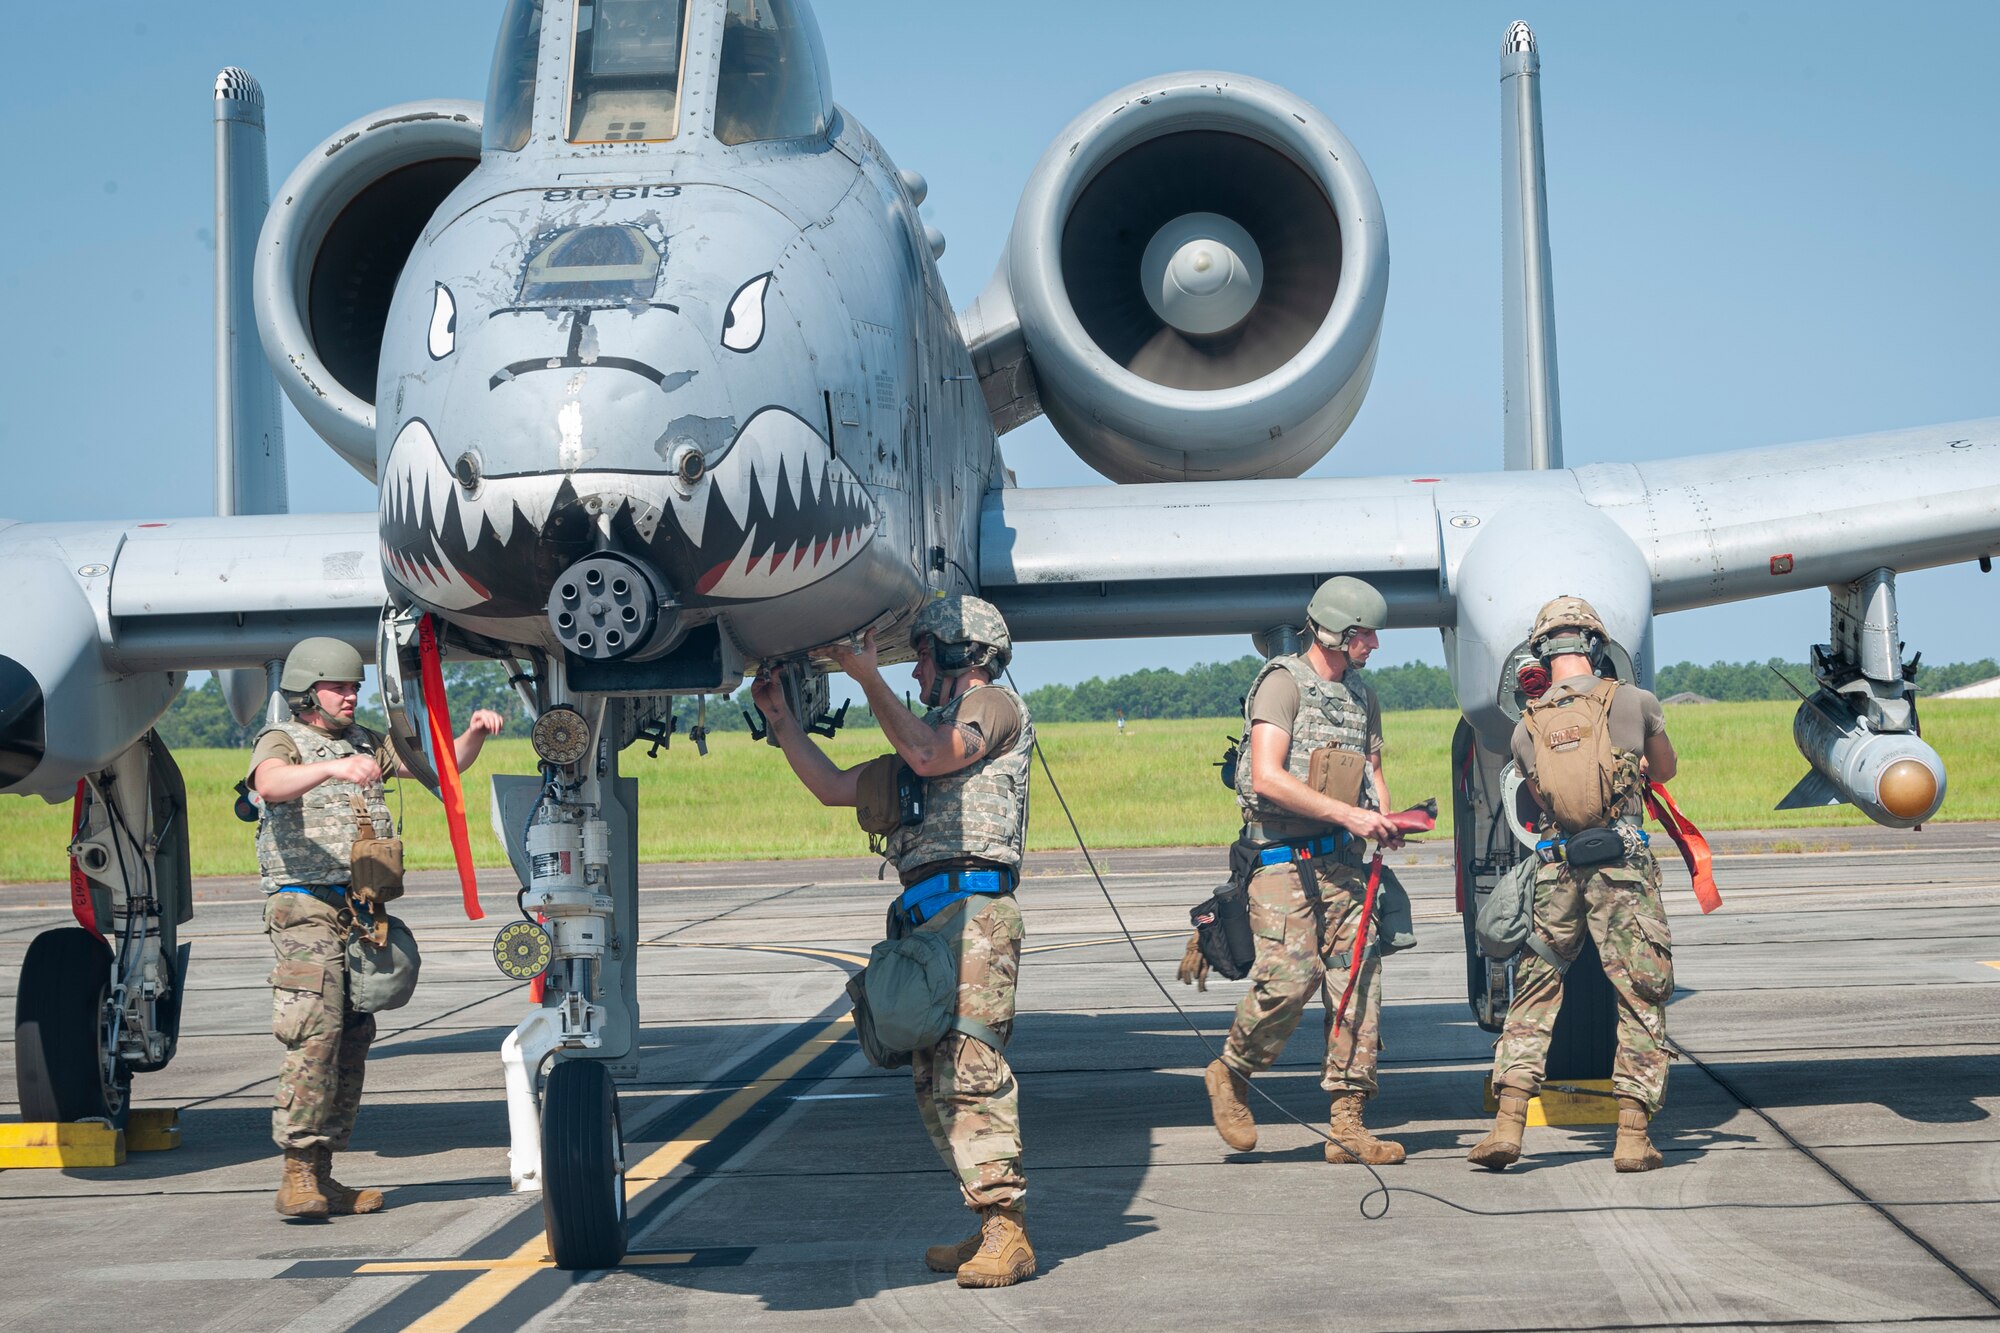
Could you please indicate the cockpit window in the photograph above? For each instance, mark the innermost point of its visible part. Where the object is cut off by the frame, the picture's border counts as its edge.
(769, 85)
(612, 264)
(510, 93)
(625, 71)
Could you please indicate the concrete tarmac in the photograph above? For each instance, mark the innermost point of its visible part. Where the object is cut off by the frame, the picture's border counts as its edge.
(1830, 1136)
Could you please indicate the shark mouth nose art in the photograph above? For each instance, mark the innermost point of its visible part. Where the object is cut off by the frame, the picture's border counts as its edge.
(782, 512)
(775, 511)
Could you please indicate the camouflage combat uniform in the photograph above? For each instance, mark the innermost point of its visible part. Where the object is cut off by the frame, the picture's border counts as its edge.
(1305, 935)
(966, 1092)
(1620, 905)
(309, 841)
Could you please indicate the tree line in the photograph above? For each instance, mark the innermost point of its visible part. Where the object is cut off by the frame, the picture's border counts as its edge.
(200, 718)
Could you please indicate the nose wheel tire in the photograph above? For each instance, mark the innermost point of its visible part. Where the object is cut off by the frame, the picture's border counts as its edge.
(62, 1070)
(583, 1167)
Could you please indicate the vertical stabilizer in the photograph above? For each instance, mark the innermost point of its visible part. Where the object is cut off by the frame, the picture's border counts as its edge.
(1533, 411)
(249, 433)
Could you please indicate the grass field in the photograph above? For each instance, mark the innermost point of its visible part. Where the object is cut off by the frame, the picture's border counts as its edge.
(1153, 787)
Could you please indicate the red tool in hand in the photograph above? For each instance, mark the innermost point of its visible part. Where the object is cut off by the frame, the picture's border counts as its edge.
(1420, 818)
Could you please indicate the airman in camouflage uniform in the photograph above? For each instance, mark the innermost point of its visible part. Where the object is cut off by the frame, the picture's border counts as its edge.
(309, 773)
(1306, 897)
(958, 866)
(1618, 902)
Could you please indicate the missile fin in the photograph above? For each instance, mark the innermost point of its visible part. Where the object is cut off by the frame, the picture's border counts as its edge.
(1813, 789)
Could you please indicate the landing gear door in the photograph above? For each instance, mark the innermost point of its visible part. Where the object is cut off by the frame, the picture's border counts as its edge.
(403, 694)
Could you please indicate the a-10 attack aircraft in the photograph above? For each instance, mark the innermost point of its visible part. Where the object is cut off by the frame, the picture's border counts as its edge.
(651, 362)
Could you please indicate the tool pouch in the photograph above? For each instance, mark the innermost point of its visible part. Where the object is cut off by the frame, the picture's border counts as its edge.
(1222, 928)
(1336, 772)
(376, 864)
(1594, 847)
(1222, 920)
(888, 796)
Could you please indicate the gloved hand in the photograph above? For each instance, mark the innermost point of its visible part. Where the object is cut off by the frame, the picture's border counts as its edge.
(1193, 970)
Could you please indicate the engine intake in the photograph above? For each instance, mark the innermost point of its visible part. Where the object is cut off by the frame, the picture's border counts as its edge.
(334, 244)
(1194, 285)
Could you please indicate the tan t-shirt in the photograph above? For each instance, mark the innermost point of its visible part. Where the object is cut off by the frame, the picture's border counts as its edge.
(277, 745)
(1636, 717)
(992, 716)
(1277, 702)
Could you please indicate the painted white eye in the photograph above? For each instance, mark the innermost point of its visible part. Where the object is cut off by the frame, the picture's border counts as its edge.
(444, 323)
(743, 326)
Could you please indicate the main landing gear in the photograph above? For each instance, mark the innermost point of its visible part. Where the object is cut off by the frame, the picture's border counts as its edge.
(101, 1000)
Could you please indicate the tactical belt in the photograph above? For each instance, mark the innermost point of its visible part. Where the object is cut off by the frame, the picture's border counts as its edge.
(333, 895)
(928, 897)
(1550, 851)
(1304, 849)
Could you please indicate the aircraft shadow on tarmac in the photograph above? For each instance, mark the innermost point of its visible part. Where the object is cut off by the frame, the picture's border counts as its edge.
(1097, 1089)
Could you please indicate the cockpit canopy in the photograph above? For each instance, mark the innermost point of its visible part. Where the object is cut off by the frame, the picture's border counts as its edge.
(628, 78)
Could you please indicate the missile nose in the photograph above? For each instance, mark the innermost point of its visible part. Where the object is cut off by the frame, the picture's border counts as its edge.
(1907, 789)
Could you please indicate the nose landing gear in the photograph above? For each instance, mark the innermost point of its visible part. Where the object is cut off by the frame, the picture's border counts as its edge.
(571, 836)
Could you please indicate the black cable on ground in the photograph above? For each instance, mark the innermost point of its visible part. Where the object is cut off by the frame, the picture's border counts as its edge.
(1381, 1188)
(1881, 1211)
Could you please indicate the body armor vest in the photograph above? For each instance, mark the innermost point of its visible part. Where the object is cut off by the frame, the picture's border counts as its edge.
(311, 840)
(980, 812)
(1331, 712)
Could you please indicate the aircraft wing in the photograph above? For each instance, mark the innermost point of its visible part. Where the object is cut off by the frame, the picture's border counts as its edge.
(1240, 556)
(209, 593)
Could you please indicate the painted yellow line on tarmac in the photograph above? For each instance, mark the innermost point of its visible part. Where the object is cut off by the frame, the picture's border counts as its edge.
(1993, 964)
(499, 1279)
(490, 1265)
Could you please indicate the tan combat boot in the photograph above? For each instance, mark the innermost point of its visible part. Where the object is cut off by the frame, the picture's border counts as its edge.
(951, 1257)
(1349, 1136)
(1635, 1151)
(1004, 1256)
(340, 1200)
(298, 1190)
(1501, 1147)
(1229, 1103)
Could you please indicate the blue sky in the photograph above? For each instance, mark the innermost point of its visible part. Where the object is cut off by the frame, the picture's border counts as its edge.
(1771, 222)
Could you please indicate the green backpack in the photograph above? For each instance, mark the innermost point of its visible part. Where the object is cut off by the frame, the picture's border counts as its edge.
(1506, 921)
(381, 978)
(906, 1000)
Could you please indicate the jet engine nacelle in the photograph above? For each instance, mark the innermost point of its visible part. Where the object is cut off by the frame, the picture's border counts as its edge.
(332, 247)
(1193, 287)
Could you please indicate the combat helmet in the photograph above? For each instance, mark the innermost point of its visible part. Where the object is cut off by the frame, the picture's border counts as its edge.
(1344, 603)
(971, 621)
(314, 660)
(1566, 613)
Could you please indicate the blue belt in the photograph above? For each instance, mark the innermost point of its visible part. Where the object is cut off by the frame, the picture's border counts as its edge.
(927, 897)
(1303, 850)
(334, 895)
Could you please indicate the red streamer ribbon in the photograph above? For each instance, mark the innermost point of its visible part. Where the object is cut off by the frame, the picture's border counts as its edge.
(1694, 847)
(443, 748)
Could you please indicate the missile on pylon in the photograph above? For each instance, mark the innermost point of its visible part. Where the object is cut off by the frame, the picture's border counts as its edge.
(1894, 777)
